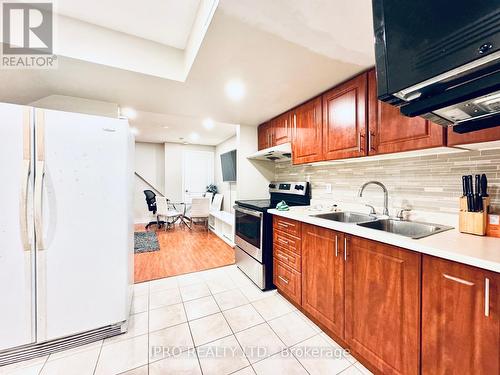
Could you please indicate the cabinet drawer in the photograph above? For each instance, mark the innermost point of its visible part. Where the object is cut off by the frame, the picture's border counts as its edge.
(287, 281)
(287, 257)
(287, 225)
(287, 241)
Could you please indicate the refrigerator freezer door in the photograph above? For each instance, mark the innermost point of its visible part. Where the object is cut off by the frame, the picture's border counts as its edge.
(84, 217)
(17, 319)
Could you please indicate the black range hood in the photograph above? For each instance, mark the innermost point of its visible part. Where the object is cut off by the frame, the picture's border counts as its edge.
(440, 59)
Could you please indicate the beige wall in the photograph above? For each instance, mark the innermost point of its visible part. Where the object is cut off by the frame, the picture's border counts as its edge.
(227, 189)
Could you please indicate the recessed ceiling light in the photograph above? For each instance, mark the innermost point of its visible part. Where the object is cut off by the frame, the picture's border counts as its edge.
(134, 131)
(208, 123)
(128, 112)
(165, 127)
(194, 136)
(235, 89)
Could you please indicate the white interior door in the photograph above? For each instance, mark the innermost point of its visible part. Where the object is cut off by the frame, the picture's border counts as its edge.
(197, 173)
(84, 247)
(17, 320)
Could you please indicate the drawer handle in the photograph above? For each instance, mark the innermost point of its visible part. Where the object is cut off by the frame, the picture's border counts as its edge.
(458, 280)
(282, 256)
(283, 279)
(283, 224)
(283, 241)
(336, 246)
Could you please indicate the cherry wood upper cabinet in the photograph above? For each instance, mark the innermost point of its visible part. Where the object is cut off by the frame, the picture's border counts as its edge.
(307, 129)
(382, 305)
(282, 129)
(323, 276)
(390, 131)
(344, 119)
(264, 135)
(485, 135)
(460, 319)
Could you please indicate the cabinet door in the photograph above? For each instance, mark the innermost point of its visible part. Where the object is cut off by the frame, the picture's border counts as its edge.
(344, 120)
(282, 129)
(323, 276)
(460, 315)
(485, 135)
(308, 133)
(382, 305)
(264, 136)
(390, 131)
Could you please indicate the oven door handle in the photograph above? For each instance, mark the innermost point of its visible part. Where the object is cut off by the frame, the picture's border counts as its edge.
(248, 212)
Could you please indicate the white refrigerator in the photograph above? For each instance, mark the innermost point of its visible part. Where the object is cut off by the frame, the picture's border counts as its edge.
(66, 229)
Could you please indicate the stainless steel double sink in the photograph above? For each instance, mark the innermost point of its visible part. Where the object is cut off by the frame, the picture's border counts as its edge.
(411, 229)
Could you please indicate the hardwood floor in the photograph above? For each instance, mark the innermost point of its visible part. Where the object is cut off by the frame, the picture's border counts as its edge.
(181, 251)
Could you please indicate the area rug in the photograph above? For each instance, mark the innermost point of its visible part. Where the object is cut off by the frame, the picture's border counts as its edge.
(145, 242)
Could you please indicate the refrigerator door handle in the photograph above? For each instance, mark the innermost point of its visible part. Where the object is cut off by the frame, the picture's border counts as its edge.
(40, 175)
(25, 180)
(24, 205)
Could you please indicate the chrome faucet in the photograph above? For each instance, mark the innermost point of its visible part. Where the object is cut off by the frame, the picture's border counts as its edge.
(386, 194)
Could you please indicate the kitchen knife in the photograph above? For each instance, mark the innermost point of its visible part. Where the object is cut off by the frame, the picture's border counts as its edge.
(484, 186)
(478, 200)
(470, 194)
(464, 185)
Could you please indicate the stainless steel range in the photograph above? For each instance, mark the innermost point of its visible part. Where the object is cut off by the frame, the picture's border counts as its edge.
(254, 229)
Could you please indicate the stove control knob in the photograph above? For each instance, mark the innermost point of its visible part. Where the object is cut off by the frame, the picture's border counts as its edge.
(272, 186)
(299, 187)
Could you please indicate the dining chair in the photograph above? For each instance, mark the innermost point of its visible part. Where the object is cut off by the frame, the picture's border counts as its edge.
(199, 212)
(167, 211)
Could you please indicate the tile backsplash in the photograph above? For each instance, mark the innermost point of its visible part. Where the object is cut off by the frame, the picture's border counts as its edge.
(430, 183)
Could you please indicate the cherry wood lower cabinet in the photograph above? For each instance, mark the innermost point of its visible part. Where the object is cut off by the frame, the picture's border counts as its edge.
(287, 280)
(323, 276)
(287, 261)
(460, 319)
(382, 305)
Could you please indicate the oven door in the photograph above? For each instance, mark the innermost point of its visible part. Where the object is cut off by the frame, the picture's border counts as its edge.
(248, 231)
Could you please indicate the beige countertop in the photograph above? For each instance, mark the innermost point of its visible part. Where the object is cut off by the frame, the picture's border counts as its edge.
(478, 251)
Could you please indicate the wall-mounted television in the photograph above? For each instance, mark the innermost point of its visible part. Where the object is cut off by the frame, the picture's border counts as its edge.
(228, 163)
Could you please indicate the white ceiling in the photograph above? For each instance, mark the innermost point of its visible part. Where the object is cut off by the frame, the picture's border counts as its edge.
(168, 22)
(278, 71)
(338, 29)
(180, 129)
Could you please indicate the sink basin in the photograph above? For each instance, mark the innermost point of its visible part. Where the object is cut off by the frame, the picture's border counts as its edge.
(410, 229)
(346, 217)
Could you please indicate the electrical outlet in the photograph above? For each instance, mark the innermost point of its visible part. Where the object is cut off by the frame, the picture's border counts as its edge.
(328, 188)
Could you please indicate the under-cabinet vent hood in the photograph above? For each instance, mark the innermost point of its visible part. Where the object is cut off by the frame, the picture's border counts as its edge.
(440, 60)
(281, 152)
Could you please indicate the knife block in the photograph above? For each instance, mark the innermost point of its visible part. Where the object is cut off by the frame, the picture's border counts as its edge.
(473, 222)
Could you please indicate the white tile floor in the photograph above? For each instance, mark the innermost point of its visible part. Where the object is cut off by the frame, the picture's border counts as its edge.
(210, 322)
